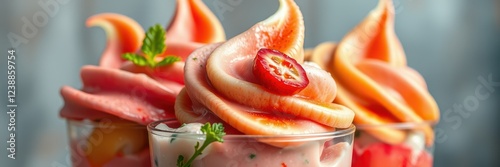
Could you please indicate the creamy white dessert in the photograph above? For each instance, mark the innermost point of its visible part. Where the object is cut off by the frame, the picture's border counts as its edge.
(168, 143)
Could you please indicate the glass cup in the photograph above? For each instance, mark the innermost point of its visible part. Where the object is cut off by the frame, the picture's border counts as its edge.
(394, 145)
(330, 149)
(108, 142)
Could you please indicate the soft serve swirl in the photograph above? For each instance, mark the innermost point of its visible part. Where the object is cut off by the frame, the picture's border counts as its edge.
(374, 80)
(119, 88)
(220, 84)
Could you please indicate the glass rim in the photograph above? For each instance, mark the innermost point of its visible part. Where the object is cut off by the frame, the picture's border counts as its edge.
(396, 125)
(115, 123)
(338, 133)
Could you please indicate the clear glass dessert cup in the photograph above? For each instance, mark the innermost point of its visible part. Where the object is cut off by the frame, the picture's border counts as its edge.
(330, 149)
(414, 150)
(108, 142)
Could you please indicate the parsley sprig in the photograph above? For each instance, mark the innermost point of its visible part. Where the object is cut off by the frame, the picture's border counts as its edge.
(152, 46)
(213, 133)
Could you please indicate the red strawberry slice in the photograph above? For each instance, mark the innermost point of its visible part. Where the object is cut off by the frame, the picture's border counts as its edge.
(278, 72)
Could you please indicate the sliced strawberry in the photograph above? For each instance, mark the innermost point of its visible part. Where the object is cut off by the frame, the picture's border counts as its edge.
(278, 72)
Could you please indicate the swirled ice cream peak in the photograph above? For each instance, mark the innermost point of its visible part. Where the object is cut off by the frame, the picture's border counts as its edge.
(119, 88)
(219, 80)
(374, 80)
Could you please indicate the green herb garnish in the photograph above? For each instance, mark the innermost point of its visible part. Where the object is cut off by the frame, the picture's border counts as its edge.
(213, 133)
(173, 138)
(152, 46)
(252, 156)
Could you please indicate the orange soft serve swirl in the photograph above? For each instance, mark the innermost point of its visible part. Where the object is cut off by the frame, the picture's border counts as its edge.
(141, 94)
(220, 84)
(369, 65)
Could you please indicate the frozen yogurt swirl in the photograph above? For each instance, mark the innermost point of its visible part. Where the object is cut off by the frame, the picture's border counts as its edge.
(369, 65)
(220, 85)
(119, 88)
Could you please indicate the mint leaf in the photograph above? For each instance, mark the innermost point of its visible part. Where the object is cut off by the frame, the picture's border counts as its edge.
(213, 133)
(136, 59)
(168, 60)
(154, 41)
(153, 45)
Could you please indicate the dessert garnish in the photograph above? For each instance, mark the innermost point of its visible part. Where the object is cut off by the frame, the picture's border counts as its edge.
(213, 133)
(278, 72)
(152, 46)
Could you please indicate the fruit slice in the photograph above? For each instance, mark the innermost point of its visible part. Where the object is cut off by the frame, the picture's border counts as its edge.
(279, 73)
(120, 138)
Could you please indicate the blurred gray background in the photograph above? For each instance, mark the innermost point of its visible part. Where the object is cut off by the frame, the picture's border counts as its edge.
(453, 43)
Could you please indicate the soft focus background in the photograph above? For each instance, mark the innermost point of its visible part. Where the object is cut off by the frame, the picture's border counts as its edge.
(453, 43)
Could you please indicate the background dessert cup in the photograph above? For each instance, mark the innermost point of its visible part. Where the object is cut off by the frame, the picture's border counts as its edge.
(391, 100)
(120, 96)
(328, 149)
(412, 152)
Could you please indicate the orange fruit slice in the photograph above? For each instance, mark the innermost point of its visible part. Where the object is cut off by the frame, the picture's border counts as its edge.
(121, 138)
